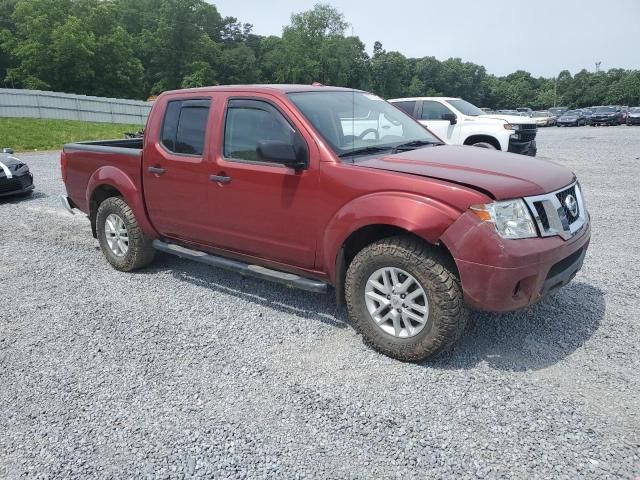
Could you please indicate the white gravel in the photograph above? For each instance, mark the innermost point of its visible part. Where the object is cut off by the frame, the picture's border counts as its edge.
(181, 370)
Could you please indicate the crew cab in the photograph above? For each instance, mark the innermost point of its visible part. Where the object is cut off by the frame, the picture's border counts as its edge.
(317, 187)
(458, 122)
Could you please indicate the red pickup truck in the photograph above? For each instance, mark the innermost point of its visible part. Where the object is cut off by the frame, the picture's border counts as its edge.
(316, 186)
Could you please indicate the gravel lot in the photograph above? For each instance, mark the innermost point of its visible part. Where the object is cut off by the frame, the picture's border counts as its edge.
(182, 370)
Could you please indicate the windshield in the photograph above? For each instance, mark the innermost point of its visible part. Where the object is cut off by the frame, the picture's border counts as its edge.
(571, 113)
(350, 121)
(556, 110)
(466, 108)
(634, 110)
(605, 110)
(540, 114)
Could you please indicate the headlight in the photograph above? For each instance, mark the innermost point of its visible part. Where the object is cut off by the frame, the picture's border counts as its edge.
(511, 218)
(508, 126)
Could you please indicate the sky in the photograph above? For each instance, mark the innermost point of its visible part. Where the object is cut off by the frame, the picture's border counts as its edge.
(543, 37)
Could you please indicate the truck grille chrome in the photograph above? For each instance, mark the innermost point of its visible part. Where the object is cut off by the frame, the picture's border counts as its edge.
(527, 132)
(559, 213)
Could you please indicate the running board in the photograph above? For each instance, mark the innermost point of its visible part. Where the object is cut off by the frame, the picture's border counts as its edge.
(242, 268)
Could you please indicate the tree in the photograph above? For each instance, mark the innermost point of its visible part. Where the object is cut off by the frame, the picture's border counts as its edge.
(127, 48)
(72, 50)
(389, 73)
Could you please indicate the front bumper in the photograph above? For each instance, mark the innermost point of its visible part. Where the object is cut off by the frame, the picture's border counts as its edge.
(604, 120)
(523, 147)
(503, 275)
(633, 120)
(17, 185)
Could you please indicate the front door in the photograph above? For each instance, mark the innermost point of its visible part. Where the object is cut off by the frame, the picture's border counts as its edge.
(431, 116)
(175, 171)
(261, 208)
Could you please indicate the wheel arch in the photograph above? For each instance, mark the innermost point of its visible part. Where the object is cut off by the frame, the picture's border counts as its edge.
(470, 140)
(107, 182)
(346, 236)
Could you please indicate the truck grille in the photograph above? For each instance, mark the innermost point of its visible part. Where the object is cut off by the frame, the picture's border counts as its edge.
(559, 213)
(562, 196)
(527, 133)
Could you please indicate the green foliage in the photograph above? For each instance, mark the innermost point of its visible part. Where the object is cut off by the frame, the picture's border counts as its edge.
(29, 134)
(134, 49)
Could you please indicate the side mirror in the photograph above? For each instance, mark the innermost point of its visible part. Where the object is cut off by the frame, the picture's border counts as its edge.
(451, 117)
(8, 150)
(293, 155)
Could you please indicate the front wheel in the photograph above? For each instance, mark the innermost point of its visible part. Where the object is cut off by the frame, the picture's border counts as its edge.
(404, 299)
(122, 242)
(484, 145)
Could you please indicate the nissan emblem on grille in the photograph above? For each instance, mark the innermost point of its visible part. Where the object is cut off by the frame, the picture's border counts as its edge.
(571, 204)
(559, 213)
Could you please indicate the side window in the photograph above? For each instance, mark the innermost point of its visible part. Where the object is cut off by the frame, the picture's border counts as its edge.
(249, 122)
(407, 107)
(184, 127)
(433, 110)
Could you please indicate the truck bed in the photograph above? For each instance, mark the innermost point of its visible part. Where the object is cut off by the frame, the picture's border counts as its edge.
(82, 160)
(130, 146)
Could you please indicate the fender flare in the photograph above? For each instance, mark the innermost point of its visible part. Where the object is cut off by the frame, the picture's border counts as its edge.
(132, 194)
(423, 216)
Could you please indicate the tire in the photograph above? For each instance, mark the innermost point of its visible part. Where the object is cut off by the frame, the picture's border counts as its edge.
(484, 145)
(139, 252)
(446, 316)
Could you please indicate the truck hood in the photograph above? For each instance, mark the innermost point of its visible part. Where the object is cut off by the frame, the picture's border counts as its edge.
(513, 119)
(502, 175)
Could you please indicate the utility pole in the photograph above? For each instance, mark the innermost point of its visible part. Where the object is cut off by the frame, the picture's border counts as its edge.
(555, 90)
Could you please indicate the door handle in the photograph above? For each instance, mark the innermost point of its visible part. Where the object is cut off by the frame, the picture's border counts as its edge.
(156, 170)
(220, 178)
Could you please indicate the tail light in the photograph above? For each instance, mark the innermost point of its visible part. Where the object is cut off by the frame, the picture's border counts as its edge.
(63, 166)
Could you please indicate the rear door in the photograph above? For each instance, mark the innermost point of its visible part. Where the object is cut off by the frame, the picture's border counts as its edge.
(261, 208)
(175, 172)
(430, 115)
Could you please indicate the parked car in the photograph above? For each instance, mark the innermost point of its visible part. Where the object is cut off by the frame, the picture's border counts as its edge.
(264, 181)
(605, 116)
(557, 111)
(634, 116)
(543, 119)
(527, 111)
(458, 122)
(15, 176)
(587, 115)
(571, 118)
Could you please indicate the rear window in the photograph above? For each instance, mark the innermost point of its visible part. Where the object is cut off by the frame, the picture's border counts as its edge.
(406, 106)
(185, 125)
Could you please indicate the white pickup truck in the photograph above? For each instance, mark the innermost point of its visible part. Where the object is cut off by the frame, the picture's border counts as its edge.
(458, 122)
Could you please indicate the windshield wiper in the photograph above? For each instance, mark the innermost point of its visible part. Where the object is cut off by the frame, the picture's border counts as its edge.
(364, 150)
(403, 147)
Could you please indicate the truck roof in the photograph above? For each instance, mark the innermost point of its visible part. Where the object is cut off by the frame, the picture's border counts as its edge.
(263, 88)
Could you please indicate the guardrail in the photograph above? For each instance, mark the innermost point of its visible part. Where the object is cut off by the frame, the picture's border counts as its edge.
(66, 106)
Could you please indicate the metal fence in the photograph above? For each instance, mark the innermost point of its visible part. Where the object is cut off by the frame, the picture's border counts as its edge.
(65, 106)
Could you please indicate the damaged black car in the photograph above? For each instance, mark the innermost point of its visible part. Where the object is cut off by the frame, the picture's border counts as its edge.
(15, 177)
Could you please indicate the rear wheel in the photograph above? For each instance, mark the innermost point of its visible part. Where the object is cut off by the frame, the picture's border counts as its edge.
(122, 242)
(404, 299)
